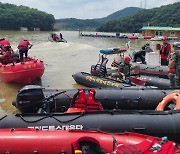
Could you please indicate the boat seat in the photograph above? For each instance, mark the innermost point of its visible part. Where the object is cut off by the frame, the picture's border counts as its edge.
(93, 105)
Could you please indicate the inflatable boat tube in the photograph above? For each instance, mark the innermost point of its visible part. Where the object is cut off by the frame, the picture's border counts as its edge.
(160, 83)
(31, 98)
(161, 71)
(57, 40)
(155, 123)
(89, 80)
(80, 142)
(22, 73)
(132, 37)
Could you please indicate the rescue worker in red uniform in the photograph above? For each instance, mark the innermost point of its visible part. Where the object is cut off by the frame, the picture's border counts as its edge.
(165, 51)
(54, 37)
(6, 57)
(5, 45)
(6, 51)
(23, 47)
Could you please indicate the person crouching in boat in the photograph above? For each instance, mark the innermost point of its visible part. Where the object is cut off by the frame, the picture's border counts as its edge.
(55, 37)
(125, 70)
(6, 52)
(5, 45)
(24, 46)
(174, 63)
(141, 54)
(6, 56)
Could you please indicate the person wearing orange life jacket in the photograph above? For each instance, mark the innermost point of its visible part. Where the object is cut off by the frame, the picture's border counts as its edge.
(24, 46)
(5, 45)
(165, 51)
(6, 51)
(6, 57)
(55, 37)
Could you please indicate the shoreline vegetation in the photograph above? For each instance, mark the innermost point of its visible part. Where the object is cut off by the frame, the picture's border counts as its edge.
(164, 16)
(14, 17)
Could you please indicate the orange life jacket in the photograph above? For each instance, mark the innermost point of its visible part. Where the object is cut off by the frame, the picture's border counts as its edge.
(165, 50)
(7, 59)
(87, 103)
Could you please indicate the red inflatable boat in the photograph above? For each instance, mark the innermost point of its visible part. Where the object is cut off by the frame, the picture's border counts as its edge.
(22, 73)
(28, 141)
(132, 37)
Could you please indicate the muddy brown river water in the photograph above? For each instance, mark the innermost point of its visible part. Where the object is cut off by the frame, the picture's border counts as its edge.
(61, 59)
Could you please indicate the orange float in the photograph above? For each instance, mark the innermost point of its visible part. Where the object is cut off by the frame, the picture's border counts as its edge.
(167, 99)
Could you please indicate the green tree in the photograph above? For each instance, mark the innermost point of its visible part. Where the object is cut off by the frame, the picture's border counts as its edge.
(13, 17)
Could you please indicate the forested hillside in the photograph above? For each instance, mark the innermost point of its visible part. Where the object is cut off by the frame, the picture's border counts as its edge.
(166, 16)
(74, 24)
(13, 17)
(122, 13)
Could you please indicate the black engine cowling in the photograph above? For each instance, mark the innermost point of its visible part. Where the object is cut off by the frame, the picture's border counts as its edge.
(29, 97)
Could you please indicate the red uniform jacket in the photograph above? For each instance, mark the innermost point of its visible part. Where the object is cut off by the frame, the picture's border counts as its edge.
(165, 51)
(23, 44)
(4, 42)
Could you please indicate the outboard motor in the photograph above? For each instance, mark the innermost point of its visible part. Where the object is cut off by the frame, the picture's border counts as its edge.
(29, 99)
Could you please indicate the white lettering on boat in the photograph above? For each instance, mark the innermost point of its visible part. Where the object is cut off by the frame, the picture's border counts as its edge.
(63, 127)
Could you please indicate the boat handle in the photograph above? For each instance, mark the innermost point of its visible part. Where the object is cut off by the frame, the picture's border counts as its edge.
(140, 128)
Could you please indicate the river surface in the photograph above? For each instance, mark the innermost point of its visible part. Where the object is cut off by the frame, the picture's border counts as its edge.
(61, 59)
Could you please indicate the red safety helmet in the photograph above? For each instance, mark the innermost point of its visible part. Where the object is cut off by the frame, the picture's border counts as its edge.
(164, 38)
(127, 59)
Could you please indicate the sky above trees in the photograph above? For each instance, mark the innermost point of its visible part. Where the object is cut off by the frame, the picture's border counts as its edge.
(86, 9)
